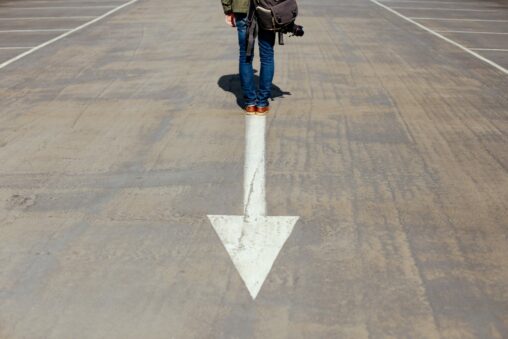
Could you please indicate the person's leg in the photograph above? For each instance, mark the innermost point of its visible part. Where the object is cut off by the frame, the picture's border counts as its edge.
(266, 54)
(246, 70)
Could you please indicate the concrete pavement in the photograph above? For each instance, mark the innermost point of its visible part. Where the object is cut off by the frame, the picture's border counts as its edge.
(388, 142)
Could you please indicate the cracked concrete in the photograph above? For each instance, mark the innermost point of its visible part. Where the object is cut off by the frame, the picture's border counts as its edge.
(117, 142)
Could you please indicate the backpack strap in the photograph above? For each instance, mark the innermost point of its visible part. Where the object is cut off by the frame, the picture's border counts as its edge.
(252, 28)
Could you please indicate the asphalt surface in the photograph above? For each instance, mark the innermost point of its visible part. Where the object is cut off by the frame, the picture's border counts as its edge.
(389, 143)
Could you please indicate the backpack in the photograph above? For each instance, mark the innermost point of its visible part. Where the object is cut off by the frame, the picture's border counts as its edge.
(275, 15)
(271, 15)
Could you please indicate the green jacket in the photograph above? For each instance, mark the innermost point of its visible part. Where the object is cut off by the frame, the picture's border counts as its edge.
(235, 6)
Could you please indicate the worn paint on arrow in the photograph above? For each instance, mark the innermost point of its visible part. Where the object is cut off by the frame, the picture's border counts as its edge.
(253, 246)
(253, 240)
(254, 201)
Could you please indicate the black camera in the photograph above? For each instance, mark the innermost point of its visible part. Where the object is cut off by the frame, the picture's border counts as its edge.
(293, 29)
(297, 30)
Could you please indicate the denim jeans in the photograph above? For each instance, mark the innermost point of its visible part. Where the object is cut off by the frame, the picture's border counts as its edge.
(266, 41)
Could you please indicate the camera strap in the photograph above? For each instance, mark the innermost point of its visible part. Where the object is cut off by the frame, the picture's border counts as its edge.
(252, 28)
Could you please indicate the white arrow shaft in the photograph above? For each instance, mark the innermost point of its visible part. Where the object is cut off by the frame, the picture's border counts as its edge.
(254, 198)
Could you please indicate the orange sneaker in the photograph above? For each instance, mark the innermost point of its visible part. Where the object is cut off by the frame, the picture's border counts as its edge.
(250, 109)
(262, 110)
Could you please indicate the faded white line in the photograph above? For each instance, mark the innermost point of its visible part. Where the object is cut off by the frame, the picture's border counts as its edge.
(10, 61)
(49, 17)
(425, 28)
(66, 1)
(450, 19)
(42, 3)
(490, 49)
(58, 7)
(436, 2)
(34, 30)
(471, 32)
(446, 9)
(15, 47)
(62, 1)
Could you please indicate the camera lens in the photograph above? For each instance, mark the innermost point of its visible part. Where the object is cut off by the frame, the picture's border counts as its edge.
(298, 30)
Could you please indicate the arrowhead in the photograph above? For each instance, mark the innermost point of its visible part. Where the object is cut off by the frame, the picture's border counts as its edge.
(253, 246)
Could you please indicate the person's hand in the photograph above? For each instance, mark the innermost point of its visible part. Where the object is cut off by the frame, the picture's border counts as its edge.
(230, 20)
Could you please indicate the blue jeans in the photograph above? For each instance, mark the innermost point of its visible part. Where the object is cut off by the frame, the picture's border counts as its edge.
(266, 43)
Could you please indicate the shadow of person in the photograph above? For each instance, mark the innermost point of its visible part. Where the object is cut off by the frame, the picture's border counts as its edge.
(231, 83)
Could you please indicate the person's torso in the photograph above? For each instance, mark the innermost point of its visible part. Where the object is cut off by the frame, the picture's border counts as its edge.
(240, 6)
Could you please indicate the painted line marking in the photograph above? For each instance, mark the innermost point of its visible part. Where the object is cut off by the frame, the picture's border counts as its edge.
(15, 5)
(253, 247)
(11, 4)
(254, 185)
(437, 2)
(454, 19)
(35, 30)
(446, 9)
(58, 7)
(471, 32)
(15, 47)
(490, 49)
(49, 42)
(425, 28)
(50, 17)
(60, 1)
(253, 240)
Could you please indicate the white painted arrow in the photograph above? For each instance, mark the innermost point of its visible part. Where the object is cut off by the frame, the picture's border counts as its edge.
(253, 240)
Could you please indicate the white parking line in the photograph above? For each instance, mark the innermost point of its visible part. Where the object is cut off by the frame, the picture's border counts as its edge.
(58, 7)
(471, 32)
(425, 28)
(433, 2)
(446, 9)
(15, 47)
(490, 49)
(48, 17)
(60, 1)
(455, 19)
(34, 30)
(49, 42)
(66, 4)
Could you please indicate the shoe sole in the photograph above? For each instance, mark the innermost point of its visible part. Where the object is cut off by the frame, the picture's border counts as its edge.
(257, 113)
(263, 113)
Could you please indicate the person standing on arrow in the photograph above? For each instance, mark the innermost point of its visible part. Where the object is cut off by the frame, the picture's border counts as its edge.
(255, 101)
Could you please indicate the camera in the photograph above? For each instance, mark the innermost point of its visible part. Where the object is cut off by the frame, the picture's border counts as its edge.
(297, 30)
(293, 29)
